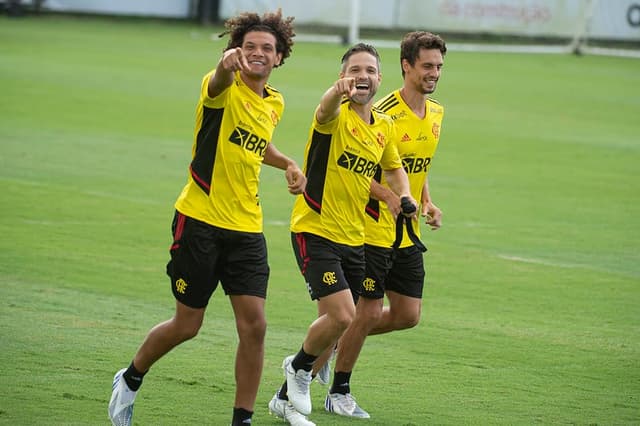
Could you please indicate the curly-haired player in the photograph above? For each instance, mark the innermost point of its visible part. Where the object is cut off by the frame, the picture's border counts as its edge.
(217, 227)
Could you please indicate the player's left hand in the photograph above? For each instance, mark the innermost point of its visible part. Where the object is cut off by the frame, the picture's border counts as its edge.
(296, 180)
(432, 214)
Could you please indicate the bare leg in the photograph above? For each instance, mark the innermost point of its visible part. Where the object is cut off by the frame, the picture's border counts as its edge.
(165, 336)
(324, 356)
(368, 313)
(403, 312)
(325, 330)
(373, 318)
(251, 325)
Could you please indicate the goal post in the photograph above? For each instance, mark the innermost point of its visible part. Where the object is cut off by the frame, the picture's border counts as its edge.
(354, 22)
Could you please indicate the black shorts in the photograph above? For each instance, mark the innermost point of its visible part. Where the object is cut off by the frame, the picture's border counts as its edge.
(203, 255)
(328, 267)
(400, 270)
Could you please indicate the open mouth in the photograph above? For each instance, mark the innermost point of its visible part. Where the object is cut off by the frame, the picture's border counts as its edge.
(362, 86)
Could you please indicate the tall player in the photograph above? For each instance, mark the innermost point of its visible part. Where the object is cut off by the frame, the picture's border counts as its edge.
(396, 272)
(217, 228)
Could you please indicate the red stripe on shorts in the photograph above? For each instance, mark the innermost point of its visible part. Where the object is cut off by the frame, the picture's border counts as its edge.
(302, 250)
(179, 230)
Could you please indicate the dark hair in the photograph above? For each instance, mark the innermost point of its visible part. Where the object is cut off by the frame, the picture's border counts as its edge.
(416, 40)
(360, 47)
(271, 22)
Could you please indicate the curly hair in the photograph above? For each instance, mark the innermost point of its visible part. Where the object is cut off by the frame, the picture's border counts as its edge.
(416, 40)
(271, 22)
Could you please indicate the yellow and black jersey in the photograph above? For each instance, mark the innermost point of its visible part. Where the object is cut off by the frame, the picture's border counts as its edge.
(231, 134)
(341, 157)
(417, 142)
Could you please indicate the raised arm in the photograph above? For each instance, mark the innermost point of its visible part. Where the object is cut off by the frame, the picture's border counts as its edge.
(329, 107)
(296, 180)
(232, 60)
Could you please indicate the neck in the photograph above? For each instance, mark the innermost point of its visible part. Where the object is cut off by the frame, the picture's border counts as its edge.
(256, 85)
(363, 111)
(415, 100)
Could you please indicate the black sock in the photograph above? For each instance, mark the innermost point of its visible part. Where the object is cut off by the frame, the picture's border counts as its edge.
(241, 417)
(303, 361)
(282, 393)
(133, 377)
(341, 382)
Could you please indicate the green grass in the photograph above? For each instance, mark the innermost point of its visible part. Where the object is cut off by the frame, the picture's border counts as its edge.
(532, 304)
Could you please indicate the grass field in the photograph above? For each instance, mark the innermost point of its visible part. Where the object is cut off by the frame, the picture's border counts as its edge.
(532, 304)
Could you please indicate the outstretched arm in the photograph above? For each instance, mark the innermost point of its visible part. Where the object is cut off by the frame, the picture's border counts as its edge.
(296, 180)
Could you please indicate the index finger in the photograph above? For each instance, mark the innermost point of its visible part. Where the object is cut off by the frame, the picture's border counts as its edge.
(241, 60)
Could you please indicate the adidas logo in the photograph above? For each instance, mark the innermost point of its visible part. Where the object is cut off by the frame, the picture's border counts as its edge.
(405, 138)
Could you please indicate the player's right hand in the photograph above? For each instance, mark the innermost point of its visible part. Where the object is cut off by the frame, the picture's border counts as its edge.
(234, 60)
(345, 86)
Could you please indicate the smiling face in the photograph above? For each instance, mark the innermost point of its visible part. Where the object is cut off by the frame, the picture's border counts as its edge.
(259, 47)
(424, 74)
(363, 67)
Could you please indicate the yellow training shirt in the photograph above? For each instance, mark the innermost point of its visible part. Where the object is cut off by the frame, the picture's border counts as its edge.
(417, 142)
(231, 134)
(341, 157)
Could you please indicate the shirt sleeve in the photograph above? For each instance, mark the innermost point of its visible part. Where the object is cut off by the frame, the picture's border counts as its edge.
(390, 157)
(219, 101)
(326, 128)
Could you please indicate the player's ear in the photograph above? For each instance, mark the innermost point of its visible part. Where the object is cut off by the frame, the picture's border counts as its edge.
(278, 59)
(405, 65)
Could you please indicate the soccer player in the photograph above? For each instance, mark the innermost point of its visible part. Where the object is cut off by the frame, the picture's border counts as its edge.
(347, 141)
(397, 272)
(217, 228)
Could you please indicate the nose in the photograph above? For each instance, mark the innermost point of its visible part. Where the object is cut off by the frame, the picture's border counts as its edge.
(362, 75)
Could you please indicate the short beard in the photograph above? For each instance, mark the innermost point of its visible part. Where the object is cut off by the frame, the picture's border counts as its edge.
(362, 99)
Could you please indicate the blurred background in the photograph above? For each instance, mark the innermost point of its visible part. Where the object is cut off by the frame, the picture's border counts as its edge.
(571, 26)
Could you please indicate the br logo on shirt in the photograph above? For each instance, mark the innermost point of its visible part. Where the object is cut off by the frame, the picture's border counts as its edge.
(356, 164)
(329, 278)
(248, 141)
(416, 165)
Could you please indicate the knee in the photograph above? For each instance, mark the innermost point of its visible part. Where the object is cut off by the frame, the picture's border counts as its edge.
(407, 320)
(187, 331)
(343, 320)
(369, 313)
(253, 329)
